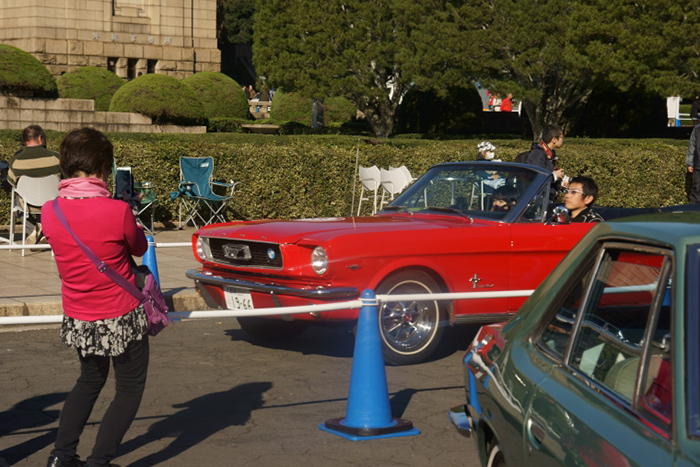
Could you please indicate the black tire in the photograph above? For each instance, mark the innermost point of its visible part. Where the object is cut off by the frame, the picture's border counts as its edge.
(495, 458)
(410, 330)
(272, 330)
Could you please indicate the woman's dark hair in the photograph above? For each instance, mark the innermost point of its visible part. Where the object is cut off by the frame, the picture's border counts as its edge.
(86, 150)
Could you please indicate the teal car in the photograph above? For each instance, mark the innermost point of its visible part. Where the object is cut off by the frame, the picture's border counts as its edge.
(601, 365)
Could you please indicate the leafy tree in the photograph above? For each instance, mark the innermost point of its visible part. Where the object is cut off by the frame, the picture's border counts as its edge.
(371, 52)
(234, 20)
(553, 53)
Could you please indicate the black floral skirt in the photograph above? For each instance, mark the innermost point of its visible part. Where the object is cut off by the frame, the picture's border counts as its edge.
(105, 337)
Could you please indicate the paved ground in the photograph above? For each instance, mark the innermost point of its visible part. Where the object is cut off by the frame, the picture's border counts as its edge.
(30, 284)
(217, 398)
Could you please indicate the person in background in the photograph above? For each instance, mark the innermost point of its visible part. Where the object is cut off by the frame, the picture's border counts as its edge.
(33, 160)
(504, 198)
(695, 110)
(692, 162)
(102, 321)
(579, 198)
(543, 154)
(486, 151)
(507, 104)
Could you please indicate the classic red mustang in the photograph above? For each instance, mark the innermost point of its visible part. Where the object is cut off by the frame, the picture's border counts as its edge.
(468, 226)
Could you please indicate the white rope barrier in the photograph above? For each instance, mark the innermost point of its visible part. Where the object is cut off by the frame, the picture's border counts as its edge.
(45, 246)
(291, 310)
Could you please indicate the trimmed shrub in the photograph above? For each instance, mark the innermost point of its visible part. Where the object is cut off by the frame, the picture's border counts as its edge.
(221, 96)
(291, 107)
(163, 98)
(22, 74)
(90, 82)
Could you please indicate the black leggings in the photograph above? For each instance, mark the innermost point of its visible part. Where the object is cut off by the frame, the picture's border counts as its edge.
(130, 370)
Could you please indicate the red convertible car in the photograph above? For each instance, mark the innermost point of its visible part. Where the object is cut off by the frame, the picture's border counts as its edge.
(468, 226)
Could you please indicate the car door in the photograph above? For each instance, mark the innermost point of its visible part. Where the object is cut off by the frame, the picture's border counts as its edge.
(608, 399)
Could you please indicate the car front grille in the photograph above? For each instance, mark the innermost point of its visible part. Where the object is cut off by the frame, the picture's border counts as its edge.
(245, 253)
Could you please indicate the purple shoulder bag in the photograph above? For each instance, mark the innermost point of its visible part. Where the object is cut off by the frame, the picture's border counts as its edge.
(150, 297)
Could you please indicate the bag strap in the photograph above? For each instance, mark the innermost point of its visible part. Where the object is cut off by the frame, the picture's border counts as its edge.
(99, 264)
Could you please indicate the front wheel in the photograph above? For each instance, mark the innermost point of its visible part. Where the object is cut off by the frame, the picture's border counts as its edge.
(495, 457)
(410, 329)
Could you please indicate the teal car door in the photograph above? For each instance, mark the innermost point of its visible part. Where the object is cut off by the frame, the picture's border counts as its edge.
(608, 399)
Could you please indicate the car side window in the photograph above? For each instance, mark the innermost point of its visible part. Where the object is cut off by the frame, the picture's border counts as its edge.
(609, 339)
(555, 335)
(655, 396)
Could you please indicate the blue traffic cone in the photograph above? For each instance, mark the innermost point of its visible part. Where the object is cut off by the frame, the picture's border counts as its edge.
(368, 414)
(149, 259)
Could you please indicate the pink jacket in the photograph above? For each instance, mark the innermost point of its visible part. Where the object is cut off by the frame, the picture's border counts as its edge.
(108, 228)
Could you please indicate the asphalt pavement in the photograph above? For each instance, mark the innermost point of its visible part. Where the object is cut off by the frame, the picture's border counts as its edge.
(215, 396)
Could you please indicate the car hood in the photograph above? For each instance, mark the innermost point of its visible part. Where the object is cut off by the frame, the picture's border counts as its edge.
(294, 231)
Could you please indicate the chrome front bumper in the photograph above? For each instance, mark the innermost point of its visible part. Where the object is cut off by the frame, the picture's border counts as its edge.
(321, 294)
(460, 419)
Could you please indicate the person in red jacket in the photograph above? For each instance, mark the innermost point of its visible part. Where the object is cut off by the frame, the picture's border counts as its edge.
(507, 104)
(102, 321)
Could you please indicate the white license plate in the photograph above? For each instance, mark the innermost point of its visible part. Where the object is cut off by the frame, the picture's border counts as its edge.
(238, 299)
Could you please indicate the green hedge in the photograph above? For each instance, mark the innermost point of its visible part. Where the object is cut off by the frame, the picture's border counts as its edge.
(312, 176)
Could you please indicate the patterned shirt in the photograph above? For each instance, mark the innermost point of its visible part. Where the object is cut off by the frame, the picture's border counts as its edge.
(587, 215)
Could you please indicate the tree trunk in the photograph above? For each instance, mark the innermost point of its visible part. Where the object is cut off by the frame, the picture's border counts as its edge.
(380, 114)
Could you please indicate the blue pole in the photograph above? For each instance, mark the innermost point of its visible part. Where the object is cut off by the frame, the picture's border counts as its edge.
(149, 259)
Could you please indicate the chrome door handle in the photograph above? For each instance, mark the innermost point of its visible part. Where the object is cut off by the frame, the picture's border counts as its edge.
(537, 431)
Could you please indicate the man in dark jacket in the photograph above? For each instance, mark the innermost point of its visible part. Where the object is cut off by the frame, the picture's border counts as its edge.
(543, 155)
(692, 161)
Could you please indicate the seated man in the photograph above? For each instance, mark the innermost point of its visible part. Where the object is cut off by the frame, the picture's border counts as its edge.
(33, 160)
(504, 198)
(579, 198)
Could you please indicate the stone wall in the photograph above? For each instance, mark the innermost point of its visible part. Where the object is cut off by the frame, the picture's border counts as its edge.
(17, 113)
(128, 37)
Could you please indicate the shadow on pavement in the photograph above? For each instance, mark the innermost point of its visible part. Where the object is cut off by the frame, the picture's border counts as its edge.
(199, 419)
(316, 340)
(30, 413)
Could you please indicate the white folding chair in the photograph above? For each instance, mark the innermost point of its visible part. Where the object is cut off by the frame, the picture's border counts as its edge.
(393, 182)
(34, 191)
(406, 172)
(369, 179)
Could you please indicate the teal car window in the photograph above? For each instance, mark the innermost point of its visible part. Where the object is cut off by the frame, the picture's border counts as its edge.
(609, 339)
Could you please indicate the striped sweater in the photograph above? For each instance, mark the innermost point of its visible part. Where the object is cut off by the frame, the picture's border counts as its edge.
(33, 161)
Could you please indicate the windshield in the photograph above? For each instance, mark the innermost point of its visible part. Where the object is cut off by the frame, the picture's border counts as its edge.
(474, 190)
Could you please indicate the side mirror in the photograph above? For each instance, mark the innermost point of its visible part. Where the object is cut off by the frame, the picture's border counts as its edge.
(561, 215)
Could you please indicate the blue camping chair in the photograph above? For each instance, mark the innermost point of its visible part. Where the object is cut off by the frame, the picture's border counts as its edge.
(196, 192)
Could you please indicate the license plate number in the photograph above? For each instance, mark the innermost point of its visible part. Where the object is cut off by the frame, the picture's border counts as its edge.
(238, 299)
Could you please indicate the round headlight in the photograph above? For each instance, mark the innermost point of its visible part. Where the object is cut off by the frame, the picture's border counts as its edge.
(200, 249)
(319, 260)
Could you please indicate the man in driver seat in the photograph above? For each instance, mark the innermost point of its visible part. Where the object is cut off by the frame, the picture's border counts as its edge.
(579, 198)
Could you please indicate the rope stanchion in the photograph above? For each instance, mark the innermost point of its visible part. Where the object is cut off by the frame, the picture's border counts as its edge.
(368, 413)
